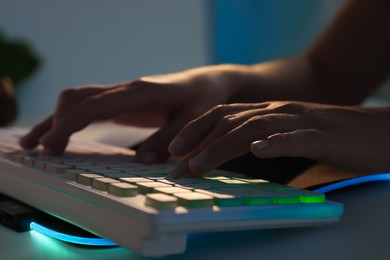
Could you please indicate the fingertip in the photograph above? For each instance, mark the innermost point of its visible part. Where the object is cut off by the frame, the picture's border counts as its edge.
(51, 145)
(31, 139)
(27, 142)
(259, 147)
(179, 171)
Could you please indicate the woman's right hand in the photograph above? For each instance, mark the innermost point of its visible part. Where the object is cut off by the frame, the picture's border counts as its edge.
(167, 101)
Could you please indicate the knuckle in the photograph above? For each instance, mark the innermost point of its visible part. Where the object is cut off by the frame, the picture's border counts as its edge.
(290, 107)
(257, 121)
(92, 104)
(227, 122)
(218, 109)
(68, 95)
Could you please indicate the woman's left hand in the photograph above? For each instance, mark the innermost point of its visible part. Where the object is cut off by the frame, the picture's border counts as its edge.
(352, 137)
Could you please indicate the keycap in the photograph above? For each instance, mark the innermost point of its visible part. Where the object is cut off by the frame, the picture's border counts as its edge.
(217, 178)
(28, 160)
(252, 181)
(306, 196)
(56, 168)
(161, 201)
(194, 199)
(134, 180)
(102, 183)
(116, 175)
(230, 181)
(148, 187)
(223, 199)
(280, 197)
(87, 178)
(251, 196)
(104, 171)
(171, 190)
(73, 174)
(123, 189)
(40, 164)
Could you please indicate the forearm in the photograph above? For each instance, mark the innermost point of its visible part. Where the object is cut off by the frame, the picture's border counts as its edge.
(343, 66)
(289, 79)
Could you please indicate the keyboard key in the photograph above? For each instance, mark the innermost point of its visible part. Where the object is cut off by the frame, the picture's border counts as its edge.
(148, 187)
(216, 178)
(102, 183)
(193, 186)
(194, 199)
(222, 198)
(87, 178)
(252, 181)
(123, 189)
(40, 164)
(56, 168)
(229, 181)
(281, 197)
(186, 181)
(104, 171)
(27, 160)
(117, 175)
(251, 196)
(161, 201)
(306, 196)
(135, 180)
(73, 174)
(171, 190)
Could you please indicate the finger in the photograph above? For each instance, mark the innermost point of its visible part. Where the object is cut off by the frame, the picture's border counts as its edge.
(71, 97)
(221, 118)
(307, 143)
(67, 100)
(155, 148)
(31, 139)
(237, 141)
(104, 106)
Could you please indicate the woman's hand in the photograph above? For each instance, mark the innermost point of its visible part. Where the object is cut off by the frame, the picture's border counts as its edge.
(167, 101)
(356, 138)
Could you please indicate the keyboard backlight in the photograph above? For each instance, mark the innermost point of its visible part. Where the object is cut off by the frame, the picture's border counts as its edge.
(70, 238)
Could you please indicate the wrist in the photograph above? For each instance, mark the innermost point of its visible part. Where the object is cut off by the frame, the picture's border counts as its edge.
(229, 80)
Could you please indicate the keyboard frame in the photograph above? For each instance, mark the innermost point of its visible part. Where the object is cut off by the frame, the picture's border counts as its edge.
(143, 229)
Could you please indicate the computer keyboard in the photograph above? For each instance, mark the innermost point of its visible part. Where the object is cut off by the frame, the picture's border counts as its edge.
(101, 189)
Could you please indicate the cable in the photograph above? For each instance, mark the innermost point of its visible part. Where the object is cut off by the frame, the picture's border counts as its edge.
(354, 181)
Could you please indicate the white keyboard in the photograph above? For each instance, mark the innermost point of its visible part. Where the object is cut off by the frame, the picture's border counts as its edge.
(99, 188)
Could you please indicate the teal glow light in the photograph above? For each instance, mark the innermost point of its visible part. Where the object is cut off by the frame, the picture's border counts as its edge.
(69, 238)
(354, 181)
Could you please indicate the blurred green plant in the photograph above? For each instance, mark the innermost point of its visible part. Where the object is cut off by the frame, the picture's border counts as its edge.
(17, 63)
(17, 60)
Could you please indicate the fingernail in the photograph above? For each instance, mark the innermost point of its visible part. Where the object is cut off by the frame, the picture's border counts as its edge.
(178, 171)
(262, 144)
(177, 145)
(149, 157)
(200, 159)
